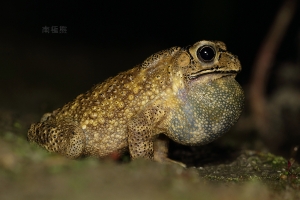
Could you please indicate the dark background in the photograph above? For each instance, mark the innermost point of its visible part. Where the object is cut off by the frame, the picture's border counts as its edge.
(41, 71)
(114, 36)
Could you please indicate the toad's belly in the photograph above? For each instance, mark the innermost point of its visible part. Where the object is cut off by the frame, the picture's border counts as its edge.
(206, 111)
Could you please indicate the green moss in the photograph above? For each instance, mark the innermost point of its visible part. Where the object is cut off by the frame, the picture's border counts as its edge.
(253, 166)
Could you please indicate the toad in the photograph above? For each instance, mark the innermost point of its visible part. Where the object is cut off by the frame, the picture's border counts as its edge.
(189, 94)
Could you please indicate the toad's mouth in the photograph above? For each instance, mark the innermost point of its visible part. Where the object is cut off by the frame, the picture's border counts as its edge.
(217, 70)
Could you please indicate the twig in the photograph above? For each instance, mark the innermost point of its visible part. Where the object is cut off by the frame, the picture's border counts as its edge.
(263, 63)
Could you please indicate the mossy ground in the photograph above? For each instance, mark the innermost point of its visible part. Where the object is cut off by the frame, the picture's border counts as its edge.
(29, 172)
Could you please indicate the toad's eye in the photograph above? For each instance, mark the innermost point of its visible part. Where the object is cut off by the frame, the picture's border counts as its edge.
(206, 53)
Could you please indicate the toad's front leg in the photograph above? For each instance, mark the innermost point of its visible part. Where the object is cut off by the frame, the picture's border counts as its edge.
(140, 140)
(144, 141)
(143, 131)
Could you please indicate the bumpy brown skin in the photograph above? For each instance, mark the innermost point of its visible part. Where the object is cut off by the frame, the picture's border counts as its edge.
(174, 92)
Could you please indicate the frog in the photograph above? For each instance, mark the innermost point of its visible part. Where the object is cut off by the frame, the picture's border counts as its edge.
(185, 94)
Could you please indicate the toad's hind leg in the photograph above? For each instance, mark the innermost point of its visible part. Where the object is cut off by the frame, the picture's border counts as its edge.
(64, 137)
